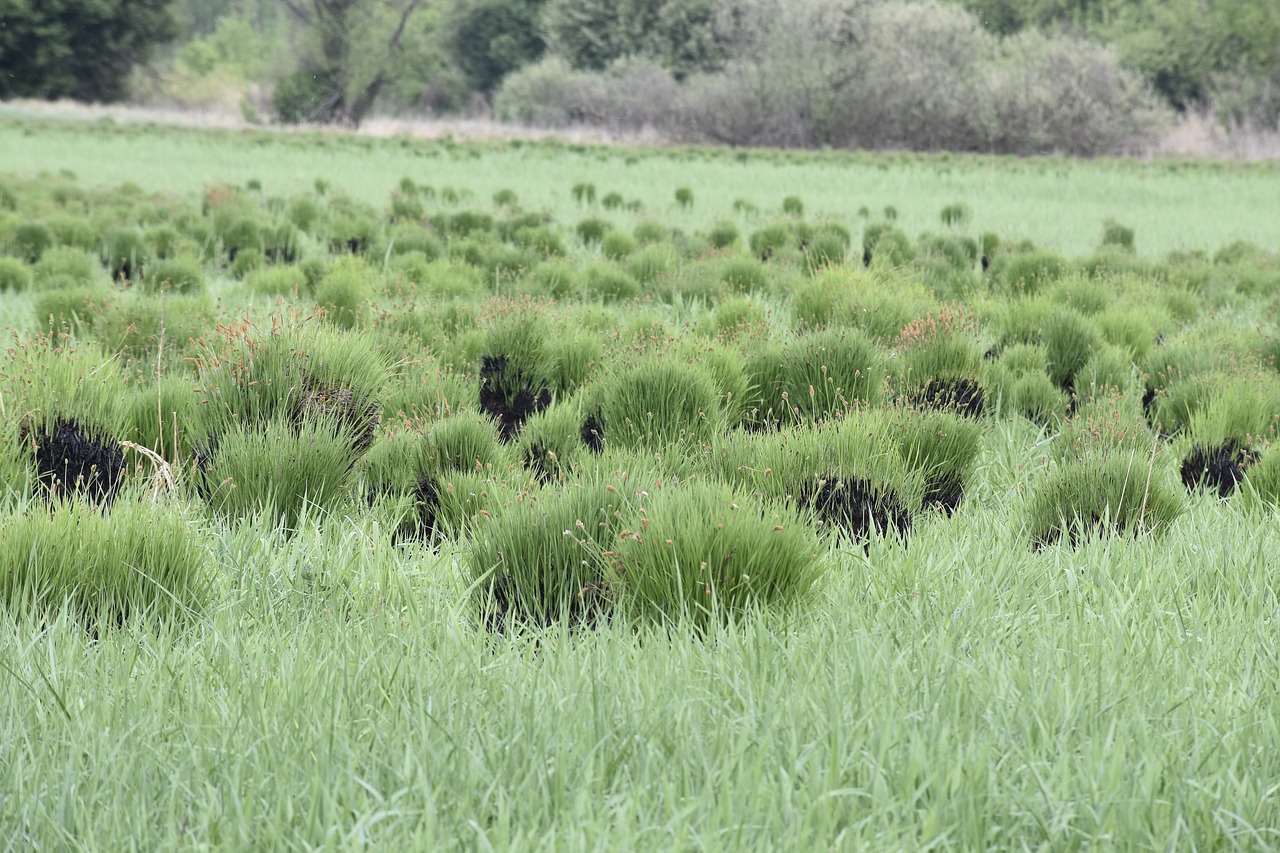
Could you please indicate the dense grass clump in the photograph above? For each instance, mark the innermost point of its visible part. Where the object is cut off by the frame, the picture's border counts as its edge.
(288, 475)
(15, 276)
(827, 373)
(141, 561)
(541, 561)
(655, 403)
(1102, 495)
(705, 554)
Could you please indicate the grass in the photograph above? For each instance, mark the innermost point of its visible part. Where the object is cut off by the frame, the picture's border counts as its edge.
(1169, 204)
(335, 683)
(1111, 694)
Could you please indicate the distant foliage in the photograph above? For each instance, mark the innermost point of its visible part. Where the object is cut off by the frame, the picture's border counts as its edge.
(923, 76)
(80, 49)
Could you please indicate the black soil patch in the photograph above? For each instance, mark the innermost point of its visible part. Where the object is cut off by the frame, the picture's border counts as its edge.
(592, 433)
(1218, 468)
(944, 495)
(857, 506)
(962, 396)
(508, 396)
(73, 459)
(866, 257)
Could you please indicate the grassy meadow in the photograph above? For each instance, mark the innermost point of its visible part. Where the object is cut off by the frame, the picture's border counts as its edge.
(396, 494)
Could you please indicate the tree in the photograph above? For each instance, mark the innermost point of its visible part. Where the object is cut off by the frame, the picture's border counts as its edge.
(81, 49)
(490, 39)
(352, 49)
(680, 35)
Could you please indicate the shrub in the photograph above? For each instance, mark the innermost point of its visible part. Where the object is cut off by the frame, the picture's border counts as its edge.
(1068, 95)
(707, 554)
(793, 206)
(684, 197)
(630, 94)
(15, 276)
(1109, 494)
(141, 561)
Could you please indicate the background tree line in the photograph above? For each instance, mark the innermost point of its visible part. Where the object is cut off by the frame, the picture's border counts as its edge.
(937, 73)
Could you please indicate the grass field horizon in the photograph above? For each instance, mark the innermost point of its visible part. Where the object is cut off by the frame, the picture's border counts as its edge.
(1173, 204)
(439, 505)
